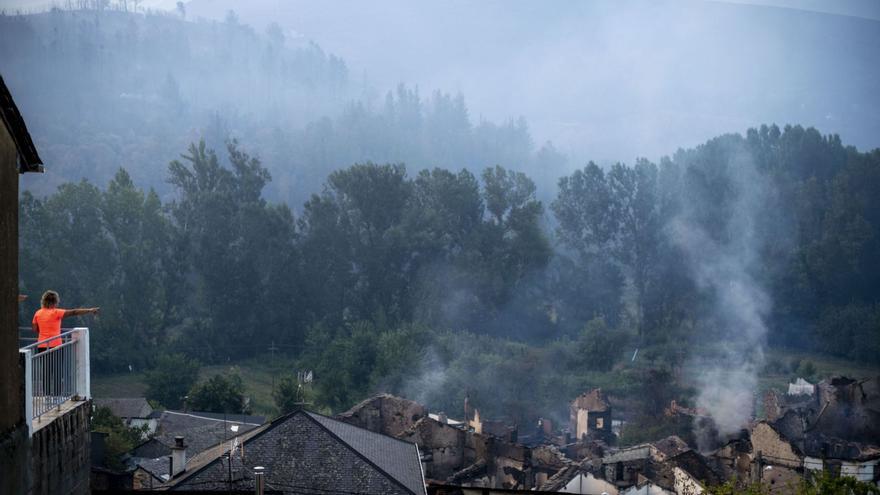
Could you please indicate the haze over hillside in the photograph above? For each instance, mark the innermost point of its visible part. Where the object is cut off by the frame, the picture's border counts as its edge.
(608, 80)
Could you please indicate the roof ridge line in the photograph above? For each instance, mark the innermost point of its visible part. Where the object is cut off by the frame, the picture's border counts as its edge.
(212, 419)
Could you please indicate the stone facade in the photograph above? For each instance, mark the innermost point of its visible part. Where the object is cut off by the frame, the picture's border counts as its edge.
(590, 416)
(770, 444)
(385, 414)
(60, 454)
(297, 452)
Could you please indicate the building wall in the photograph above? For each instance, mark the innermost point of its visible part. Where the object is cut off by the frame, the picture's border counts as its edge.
(13, 432)
(776, 449)
(589, 485)
(646, 489)
(298, 453)
(60, 454)
(685, 484)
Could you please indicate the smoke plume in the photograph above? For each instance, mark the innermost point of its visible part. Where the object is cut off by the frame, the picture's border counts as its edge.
(722, 260)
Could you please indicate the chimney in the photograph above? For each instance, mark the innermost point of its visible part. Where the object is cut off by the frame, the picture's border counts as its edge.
(442, 418)
(259, 480)
(178, 457)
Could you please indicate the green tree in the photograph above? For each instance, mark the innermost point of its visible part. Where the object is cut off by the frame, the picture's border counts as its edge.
(222, 393)
(119, 438)
(288, 394)
(171, 378)
(599, 346)
(238, 249)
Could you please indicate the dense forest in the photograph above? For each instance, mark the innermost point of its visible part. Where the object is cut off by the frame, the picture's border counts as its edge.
(426, 283)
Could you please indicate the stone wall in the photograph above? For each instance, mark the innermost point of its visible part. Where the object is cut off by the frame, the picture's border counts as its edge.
(13, 460)
(60, 454)
(13, 431)
(776, 449)
(385, 414)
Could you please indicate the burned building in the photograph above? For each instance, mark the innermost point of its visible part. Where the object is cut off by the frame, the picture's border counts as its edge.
(385, 414)
(590, 416)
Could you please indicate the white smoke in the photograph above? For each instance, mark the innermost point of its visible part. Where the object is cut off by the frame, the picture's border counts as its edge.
(722, 267)
(428, 384)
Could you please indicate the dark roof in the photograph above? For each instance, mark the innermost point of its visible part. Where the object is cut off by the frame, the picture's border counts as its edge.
(158, 468)
(671, 446)
(126, 407)
(398, 458)
(150, 449)
(697, 466)
(307, 450)
(202, 430)
(29, 160)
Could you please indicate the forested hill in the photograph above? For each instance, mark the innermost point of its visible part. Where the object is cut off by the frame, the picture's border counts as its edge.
(103, 89)
(771, 236)
(107, 88)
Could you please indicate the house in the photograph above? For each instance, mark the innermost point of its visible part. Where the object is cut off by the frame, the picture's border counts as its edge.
(835, 429)
(590, 415)
(200, 430)
(134, 412)
(304, 452)
(579, 480)
(385, 414)
(17, 156)
(646, 487)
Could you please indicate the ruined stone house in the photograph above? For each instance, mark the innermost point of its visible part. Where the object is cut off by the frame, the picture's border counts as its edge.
(590, 416)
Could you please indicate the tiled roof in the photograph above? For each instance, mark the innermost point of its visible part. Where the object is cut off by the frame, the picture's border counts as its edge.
(126, 407)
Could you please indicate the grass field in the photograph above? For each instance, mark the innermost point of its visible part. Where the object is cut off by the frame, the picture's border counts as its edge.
(255, 373)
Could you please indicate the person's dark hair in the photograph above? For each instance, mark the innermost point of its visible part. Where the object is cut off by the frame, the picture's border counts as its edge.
(50, 298)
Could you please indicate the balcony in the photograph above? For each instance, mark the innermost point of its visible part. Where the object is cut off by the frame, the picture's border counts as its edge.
(56, 380)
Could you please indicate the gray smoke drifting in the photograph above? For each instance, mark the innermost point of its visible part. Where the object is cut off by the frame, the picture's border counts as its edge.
(426, 385)
(722, 262)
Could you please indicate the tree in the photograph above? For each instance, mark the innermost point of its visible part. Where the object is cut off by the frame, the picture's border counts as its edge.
(119, 437)
(170, 380)
(238, 249)
(288, 394)
(599, 346)
(357, 224)
(617, 215)
(220, 394)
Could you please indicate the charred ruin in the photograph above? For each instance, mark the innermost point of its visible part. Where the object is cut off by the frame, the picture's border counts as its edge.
(833, 426)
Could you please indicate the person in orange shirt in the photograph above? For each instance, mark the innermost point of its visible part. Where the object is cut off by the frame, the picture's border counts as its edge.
(47, 319)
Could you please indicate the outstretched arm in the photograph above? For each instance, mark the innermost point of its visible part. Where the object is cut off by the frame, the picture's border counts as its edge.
(80, 311)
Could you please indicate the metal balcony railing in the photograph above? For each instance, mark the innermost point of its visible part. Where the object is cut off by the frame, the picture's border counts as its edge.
(55, 375)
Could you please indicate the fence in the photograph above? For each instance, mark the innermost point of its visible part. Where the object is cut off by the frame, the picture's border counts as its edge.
(54, 375)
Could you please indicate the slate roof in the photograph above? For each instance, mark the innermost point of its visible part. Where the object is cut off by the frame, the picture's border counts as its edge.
(202, 430)
(29, 159)
(126, 408)
(304, 450)
(398, 458)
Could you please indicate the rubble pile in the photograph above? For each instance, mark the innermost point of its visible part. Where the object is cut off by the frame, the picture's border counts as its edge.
(834, 425)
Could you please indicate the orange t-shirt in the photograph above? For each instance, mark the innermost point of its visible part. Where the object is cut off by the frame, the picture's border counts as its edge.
(49, 320)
